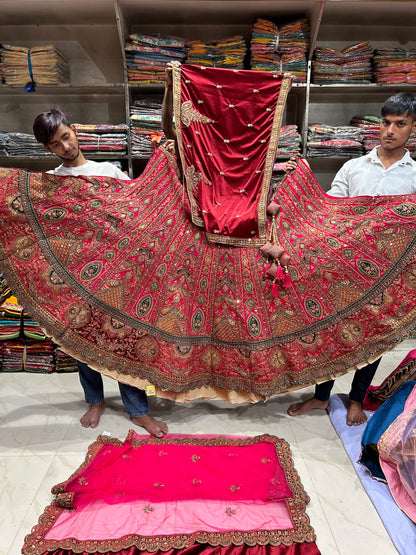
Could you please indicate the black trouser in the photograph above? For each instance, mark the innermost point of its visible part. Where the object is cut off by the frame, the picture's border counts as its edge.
(361, 382)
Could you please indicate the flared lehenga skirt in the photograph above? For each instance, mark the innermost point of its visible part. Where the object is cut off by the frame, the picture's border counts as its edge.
(148, 283)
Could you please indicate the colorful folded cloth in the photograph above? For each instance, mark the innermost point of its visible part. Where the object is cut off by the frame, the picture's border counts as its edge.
(44, 65)
(148, 54)
(350, 65)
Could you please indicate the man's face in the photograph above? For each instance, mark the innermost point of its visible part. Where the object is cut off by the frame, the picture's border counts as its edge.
(64, 143)
(395, 131)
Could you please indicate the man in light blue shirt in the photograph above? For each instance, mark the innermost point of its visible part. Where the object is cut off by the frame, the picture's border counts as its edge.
(387, 170)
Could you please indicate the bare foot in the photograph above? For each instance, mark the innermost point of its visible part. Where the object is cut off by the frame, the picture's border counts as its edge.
(355, 414)
(303, 407)
(91, 418)
(154, 427)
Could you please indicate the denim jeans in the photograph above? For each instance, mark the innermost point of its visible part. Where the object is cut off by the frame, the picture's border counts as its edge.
(134, 399)
(360, 383)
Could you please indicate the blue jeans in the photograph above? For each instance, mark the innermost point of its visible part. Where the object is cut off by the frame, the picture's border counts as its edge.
(360, 383)
(134, 399)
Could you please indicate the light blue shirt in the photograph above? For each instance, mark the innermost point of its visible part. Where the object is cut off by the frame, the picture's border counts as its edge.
(366, 176)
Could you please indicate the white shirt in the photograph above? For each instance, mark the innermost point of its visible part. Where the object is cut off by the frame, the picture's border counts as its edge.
(366, 176)
(91, 167)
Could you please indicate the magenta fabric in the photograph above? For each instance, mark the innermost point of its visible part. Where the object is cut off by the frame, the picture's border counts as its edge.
(213, 468)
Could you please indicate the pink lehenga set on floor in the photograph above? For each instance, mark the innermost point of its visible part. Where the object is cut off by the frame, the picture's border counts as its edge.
(162, 281)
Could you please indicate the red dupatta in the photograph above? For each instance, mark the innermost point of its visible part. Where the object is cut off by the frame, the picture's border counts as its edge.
(228, 125)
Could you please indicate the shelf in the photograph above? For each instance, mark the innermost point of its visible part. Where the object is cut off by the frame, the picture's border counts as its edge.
(64, 90)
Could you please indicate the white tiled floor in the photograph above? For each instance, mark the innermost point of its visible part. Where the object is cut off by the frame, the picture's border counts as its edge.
(42, 443)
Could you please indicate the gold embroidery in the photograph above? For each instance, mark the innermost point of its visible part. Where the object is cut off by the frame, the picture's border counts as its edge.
(229, 511)
(148, 509)
(189, 114)
(158, 485)
(195, 458)
(234, 487)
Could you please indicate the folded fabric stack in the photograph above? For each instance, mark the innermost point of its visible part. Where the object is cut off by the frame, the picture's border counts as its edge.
(394, 65)
(331, 140)
(102, 138)
(145, 126)
(263, 46)
(39, 356)
(147, 56)
(4, 139)
(293, 48)
(289, 141)
(24, 145)
(31, 328)
(350, 65)
(12, 356)
(63, 362)
(48, 65)
(227, 53)
(281, 49)
(10, 321)
(370, 126)
(5, 291)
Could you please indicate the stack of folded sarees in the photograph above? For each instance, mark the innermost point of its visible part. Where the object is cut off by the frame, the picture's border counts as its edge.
(148, 54)
(334, 140)
(44, 65)
(370, 125)
(293, 48)
(227, 53)
(102, 138)
(289, 141)
(282, 49)
(263, 47)
(23, 145)
(394, 65)
(145, 126)
(350, 65)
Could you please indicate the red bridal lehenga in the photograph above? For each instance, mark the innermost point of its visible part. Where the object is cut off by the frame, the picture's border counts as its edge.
(161, 282)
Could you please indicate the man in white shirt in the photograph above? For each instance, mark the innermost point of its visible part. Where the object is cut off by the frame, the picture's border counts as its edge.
(53, 130)
(387, 170)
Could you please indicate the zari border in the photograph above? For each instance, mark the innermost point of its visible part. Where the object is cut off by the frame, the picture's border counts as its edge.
(271, 153)
(177, 94)
(302, 532)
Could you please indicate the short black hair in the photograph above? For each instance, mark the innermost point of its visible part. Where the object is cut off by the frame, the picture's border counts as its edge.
(47, 123)
(400, 103)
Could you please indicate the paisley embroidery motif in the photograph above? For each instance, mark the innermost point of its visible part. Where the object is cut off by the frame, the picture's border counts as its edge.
(54, 214)
(189, 114)
(368, 268)
(91, 270)
(406, 210)
(144, 306)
